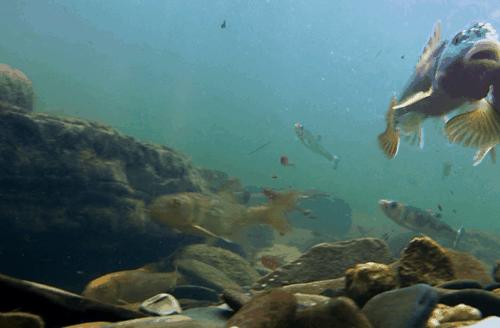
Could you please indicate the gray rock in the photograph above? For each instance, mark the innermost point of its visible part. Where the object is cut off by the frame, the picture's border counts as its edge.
(327, 261)
(199, 273)
(161, 304)
(408, 307)
(232, 265)
(216, 316)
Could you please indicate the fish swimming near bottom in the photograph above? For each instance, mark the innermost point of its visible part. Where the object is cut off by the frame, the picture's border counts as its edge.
(220, 215)
(421, 221)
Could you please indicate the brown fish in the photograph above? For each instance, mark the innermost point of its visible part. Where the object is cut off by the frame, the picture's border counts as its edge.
(220, 215)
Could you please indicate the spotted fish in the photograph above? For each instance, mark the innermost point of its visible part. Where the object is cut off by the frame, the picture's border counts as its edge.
(421, 221)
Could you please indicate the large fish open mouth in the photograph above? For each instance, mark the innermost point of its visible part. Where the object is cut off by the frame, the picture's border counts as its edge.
(485, 49)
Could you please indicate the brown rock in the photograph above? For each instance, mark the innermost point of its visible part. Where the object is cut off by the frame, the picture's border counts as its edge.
(327, 261)
(275, 309)
(339, 312)
(424, 261)
(364, 281)
(131, 286)
(20, 320)
(467, 266)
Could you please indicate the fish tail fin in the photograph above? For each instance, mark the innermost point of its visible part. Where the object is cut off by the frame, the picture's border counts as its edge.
(459, 236)
(274, 213)
(389, 139)
(476, 128)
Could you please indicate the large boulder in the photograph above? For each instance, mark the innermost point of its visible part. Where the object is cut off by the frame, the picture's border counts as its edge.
(425, 261)
(74, 189)
(327, 261)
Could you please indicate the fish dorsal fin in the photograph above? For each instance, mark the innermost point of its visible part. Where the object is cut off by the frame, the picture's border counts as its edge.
(414, 98)
(434, 42)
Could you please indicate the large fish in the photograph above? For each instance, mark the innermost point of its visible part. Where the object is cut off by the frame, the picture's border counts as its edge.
(421, 221)
(220, 215)
(313, 143)
(461, 74)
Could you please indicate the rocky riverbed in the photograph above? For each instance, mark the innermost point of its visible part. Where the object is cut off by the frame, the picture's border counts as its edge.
(428, 286)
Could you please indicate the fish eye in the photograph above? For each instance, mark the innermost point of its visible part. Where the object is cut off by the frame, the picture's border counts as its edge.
(176, 202)
(458, 38)
(393, 205)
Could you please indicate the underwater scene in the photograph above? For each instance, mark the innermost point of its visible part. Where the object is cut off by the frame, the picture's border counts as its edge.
(249, 164)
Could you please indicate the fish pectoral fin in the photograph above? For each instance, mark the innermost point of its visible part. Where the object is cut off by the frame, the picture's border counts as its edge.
(389, 142)
(416, 137)
(481, 154)
(477, 128)
(414, 98)
(413, 130)
(389, 139)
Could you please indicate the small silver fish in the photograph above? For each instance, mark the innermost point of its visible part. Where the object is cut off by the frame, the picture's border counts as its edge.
(312, 142)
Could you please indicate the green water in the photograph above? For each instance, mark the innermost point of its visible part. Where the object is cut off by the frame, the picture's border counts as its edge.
(166, 72)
